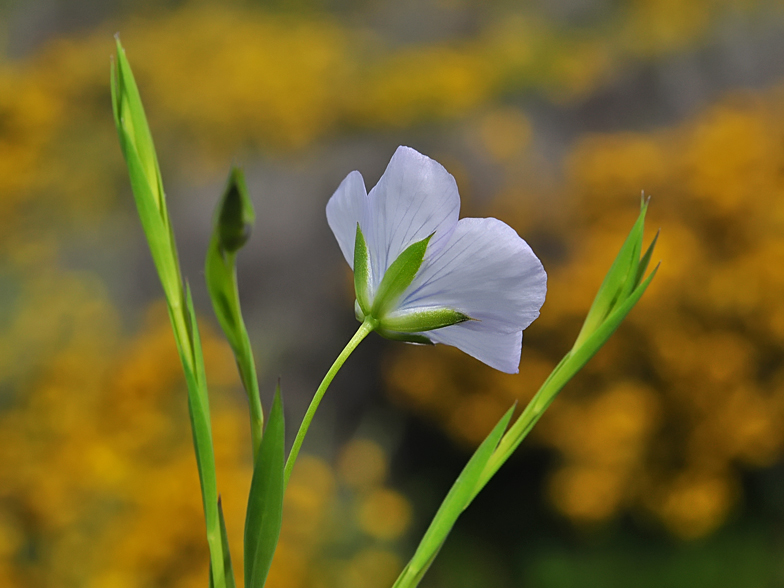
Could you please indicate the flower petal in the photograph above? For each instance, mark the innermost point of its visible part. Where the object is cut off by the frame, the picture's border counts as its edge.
(346, 208)
(414, 198)
(485, 271)
(498, 350)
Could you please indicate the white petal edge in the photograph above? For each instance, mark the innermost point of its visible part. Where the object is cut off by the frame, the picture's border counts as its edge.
(346, 208)
(414, 198)
(498, 350)
(485, 271)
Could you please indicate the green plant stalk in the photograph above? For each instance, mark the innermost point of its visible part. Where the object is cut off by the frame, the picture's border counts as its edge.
(250, 381)
(139, 152)
(227, 566)
(237, 334)
(566, 369)
(364, 330)
(621, 289)
(459, 497)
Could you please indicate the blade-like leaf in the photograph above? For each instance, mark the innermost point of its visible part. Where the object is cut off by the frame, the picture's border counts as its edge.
(619, 279)
(146, 183)
(132, 120)
(139, 152)
(228, 569)
(456, 501)
(199, 409)
(399, 276)
(645, 260)
(265, 502)
(566, 369)
(587, 345)
(581, 354)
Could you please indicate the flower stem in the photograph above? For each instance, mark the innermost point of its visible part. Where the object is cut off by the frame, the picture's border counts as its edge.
(364, 330)
(247, 369)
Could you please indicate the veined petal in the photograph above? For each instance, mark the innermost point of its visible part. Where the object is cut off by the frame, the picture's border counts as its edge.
(498, 350)
(485, 271)
(346, 208)
(415, 198)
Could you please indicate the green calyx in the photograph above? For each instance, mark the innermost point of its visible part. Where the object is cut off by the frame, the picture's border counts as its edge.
(379, 308)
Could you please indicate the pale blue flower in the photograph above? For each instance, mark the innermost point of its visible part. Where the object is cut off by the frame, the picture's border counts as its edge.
(477, 275)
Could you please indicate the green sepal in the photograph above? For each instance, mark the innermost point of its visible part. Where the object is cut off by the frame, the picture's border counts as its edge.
(405, 337)
(459, 497)
(423, 320)
(265, 501)
(228, 569)
(398, 277)
(362, 273)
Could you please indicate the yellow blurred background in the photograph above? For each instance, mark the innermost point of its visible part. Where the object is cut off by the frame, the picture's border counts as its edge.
(661, 464)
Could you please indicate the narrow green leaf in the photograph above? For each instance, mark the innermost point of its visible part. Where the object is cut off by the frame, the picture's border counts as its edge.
(580, 355)
(133, 121)
(199, 409)
(566, 369)
(619, 280)
(362, 276)
(228, 568)
(139, 152)
(582, 351)
(630, 280)
(399, 276)
(113, 86)
(265, 502)
(646, 259)
(198, 359)
(456, 501)
(155, 229)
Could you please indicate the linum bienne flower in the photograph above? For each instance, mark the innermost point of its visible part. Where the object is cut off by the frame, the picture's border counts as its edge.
(423, 276)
